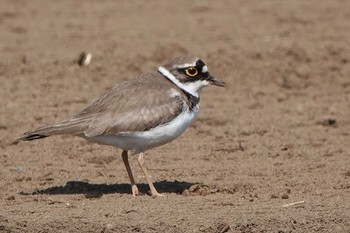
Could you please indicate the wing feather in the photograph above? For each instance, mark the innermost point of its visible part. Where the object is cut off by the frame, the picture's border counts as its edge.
(134, 105)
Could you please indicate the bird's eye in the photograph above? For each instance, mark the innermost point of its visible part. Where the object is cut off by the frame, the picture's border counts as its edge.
(191, 71)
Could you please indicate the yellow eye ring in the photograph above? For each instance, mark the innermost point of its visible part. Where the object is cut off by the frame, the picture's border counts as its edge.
(191, 71)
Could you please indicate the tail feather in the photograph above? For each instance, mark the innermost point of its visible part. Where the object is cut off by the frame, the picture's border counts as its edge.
(72, 126)
(31, 137)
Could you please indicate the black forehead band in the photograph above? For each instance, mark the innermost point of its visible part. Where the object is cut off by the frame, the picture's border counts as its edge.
(200, 63)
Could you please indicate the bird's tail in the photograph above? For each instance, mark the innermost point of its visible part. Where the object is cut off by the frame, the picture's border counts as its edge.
(71, 126)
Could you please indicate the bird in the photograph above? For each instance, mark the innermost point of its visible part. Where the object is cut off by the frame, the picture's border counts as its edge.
(140, 114)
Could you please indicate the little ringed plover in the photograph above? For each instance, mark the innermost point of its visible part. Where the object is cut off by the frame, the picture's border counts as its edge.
(140, 114)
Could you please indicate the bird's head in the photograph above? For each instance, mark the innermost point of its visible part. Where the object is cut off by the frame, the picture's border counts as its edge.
(190, 74)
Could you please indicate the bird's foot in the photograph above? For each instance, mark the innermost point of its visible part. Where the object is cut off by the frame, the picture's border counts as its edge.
(157, 195)
(154, 193)
(135, 191)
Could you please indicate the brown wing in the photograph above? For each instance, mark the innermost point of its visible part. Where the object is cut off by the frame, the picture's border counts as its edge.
(137, 105)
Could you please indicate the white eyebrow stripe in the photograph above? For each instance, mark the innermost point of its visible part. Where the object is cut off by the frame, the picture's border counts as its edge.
(204, 69)
(187, 65)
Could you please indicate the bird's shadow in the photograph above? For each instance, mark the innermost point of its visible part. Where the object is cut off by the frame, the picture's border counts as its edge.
(97, 190)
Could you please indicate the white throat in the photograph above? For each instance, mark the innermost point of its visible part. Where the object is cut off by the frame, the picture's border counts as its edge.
(193, 88)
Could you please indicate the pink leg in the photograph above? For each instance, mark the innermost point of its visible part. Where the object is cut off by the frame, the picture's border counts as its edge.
(134, 189)
(141, 161)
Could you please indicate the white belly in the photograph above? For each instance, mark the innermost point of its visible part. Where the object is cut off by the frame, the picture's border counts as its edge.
(145, 140)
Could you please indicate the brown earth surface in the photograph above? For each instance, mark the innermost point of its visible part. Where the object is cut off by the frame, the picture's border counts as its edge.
(278, 134)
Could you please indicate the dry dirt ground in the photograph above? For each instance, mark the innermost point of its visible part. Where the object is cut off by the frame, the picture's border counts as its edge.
(278, 134)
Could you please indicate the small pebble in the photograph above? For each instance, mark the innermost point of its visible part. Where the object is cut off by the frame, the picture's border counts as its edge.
(327, 121)
(85, 59)
(10, 198)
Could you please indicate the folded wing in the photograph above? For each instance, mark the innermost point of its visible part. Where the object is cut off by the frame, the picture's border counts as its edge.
(132, 106)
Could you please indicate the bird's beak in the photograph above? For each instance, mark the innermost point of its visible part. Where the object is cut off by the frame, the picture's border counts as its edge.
(216, 82)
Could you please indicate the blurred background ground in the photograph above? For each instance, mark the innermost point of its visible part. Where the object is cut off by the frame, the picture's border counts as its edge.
(278, 134)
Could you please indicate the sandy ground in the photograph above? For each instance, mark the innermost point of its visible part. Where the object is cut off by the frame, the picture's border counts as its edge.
(278, 134)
